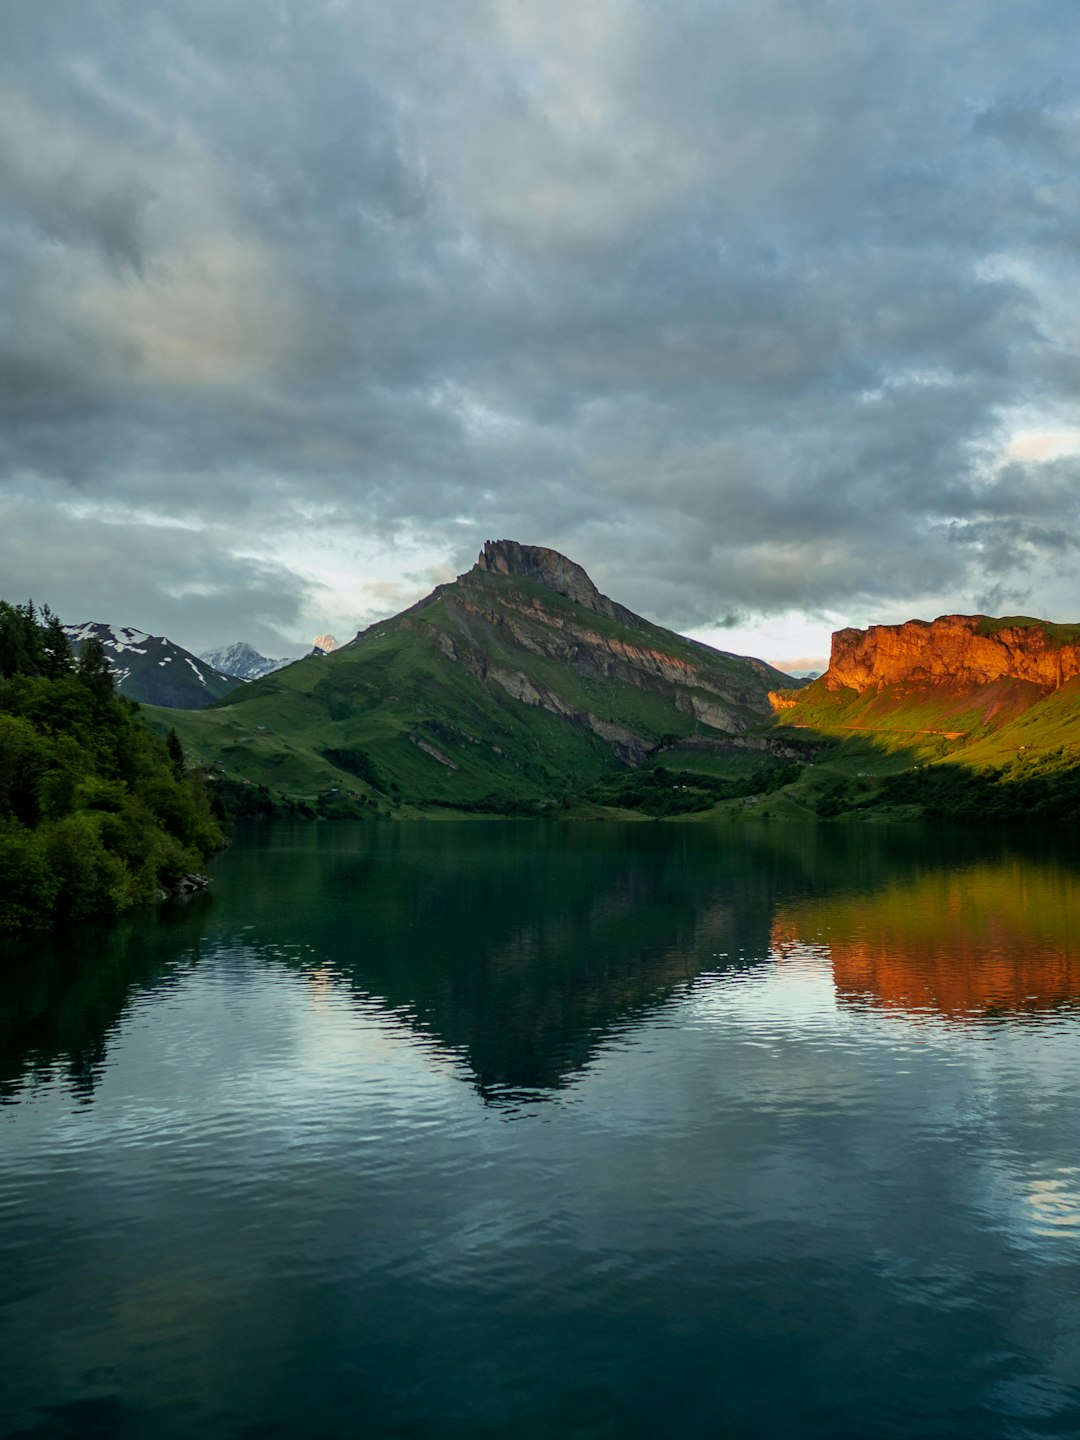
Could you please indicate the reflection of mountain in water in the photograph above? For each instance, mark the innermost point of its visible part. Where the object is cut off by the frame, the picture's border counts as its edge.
(522, 948)
(986, 939)
(517, 947)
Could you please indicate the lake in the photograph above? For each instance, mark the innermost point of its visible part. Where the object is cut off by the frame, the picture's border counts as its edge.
(539, 1130)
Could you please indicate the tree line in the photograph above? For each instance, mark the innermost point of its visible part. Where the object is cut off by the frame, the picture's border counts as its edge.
(97, 814)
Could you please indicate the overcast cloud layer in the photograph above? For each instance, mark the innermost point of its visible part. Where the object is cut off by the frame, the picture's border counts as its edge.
(755, 308)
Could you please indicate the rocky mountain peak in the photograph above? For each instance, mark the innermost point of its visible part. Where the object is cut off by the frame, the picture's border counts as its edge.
(242, 661)
(547, 568)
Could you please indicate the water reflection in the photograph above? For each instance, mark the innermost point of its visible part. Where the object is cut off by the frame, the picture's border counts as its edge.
(978, 941)
(521, 950)
(516, 948)
(62, 1000)
(779, 1185)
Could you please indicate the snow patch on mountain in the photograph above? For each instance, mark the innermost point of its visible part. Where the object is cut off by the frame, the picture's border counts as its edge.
(137, 659)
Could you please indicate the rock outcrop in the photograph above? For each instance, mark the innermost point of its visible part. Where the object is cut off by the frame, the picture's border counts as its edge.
(725, 692)
(954, 651)
(553, 571)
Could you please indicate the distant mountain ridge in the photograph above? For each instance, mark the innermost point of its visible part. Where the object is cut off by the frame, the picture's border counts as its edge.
(242, 661)
(152, 669)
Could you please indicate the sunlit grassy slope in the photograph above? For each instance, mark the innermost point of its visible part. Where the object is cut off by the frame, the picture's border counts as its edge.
(1001, 750)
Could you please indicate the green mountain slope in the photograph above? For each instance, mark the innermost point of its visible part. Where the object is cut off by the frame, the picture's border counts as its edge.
(502, 691)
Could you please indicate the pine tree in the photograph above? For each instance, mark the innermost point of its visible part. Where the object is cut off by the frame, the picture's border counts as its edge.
(55, 645)
(93, 670)
(176, 753)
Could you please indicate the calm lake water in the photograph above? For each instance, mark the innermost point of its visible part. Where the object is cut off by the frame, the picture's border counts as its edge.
(517, 1130)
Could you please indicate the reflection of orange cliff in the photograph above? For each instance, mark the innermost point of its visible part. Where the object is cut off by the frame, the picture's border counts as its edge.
(964, 943)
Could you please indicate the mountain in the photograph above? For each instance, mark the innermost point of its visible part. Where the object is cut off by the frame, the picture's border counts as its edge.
(153, 670)
(961, 652)
(242, 661)
(966, 678)
(505, 690)
(964, 716)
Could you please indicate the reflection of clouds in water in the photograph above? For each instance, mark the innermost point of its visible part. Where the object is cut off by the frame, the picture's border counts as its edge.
(797, 992)
(1055, 1204)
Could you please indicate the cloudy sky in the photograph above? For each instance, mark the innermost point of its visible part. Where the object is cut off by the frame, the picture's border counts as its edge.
(766, 311)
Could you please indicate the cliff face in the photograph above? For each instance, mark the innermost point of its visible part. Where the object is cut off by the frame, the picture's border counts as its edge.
(955, 651)
(553, 571)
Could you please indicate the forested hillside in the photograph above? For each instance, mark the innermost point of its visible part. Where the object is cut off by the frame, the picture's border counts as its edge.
(96, 813)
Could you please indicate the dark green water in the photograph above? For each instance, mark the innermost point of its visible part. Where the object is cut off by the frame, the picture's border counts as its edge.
(542, 1131)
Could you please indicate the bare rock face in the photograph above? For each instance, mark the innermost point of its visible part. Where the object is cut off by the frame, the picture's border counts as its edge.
(550, 569)
(958, 651)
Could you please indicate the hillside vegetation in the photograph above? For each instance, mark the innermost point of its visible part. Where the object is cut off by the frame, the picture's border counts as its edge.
(510, 691)
(96, 812)
(1008, 750)
(520, 690)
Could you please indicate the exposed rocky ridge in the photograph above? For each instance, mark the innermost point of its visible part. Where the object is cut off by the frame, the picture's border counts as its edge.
(552, 570)
(725, 692)
(959, 651)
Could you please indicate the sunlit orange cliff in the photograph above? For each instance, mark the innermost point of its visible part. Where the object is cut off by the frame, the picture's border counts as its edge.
(959, 650)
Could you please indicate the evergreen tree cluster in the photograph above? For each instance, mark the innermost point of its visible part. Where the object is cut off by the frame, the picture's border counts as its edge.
(1012, 793)
(660, 792)
(96, 813)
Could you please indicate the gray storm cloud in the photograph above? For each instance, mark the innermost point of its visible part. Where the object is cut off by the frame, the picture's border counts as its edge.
(750, 307)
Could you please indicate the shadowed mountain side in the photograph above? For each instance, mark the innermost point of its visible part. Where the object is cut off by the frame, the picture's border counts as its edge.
(982, 940)
(154, 670)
